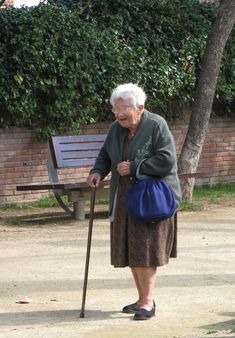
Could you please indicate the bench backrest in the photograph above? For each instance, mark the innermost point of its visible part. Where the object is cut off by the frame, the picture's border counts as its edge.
(75, 151)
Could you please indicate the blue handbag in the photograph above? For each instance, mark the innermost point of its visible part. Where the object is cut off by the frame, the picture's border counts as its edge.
(150, 199)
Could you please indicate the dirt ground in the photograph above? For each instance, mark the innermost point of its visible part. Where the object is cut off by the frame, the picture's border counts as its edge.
(42, 263)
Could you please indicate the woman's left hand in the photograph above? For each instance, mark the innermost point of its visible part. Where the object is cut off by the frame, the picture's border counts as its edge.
(124, 168)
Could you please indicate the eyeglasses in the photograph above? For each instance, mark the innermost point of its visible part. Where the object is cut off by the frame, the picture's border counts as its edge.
(122, 109)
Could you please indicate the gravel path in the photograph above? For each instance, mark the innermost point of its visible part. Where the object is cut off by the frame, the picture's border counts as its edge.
(41, 279)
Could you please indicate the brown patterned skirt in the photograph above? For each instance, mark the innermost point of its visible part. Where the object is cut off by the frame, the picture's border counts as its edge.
(137, 243)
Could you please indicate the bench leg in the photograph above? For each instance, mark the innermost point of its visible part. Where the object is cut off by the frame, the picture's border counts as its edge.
(79, 210)
(62, 204)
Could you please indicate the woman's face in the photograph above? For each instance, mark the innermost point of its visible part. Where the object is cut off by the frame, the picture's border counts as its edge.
(127, 115)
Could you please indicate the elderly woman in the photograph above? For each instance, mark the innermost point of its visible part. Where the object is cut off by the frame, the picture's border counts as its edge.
(137, 134)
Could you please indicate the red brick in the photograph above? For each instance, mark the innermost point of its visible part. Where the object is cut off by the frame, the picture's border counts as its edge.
(209, 145)
(213, 159)
(214, 130)
(227, 158)
(40, 179)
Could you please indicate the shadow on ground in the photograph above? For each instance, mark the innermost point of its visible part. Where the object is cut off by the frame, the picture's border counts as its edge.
(56, 316)
(46, 218)
(227, 325)
(181, 281)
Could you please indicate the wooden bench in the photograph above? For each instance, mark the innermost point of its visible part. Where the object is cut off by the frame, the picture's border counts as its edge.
(68, 152)
(79, 152)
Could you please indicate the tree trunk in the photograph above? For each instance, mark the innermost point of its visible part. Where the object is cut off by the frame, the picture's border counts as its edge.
(204, 94)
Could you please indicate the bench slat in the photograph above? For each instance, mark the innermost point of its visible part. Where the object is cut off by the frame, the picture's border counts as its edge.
(67, 163)
(79, 138)
(58, 186)
(66, 147)
(190, 175)
(80, 154)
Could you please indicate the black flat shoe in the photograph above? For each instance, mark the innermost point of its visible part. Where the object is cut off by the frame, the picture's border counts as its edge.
(143, 314)
(131, 308)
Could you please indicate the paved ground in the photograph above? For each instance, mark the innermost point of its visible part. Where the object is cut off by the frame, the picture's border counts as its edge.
(43, 259)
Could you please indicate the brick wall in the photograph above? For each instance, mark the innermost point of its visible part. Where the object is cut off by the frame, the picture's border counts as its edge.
(217, 159)
(23, 159)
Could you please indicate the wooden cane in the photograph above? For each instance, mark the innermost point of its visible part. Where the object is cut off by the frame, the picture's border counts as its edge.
(92, 206)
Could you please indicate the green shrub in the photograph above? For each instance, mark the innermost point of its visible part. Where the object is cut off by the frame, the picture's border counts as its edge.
(59, 62)
(48, 76)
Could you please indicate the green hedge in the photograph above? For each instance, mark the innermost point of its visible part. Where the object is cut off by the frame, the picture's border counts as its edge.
(59, 62)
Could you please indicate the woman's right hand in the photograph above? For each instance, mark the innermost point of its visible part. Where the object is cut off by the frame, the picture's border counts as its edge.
(94, 180)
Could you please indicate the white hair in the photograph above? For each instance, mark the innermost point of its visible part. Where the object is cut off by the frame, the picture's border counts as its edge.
(128, 91)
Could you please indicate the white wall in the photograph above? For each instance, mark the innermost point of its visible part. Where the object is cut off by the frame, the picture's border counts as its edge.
(28, 3)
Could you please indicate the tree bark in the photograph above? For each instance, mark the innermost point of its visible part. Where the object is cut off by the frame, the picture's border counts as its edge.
(204, 94)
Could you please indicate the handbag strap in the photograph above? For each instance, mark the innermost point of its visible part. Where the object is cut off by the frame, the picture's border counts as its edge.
(137, 172)
(144, 177)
